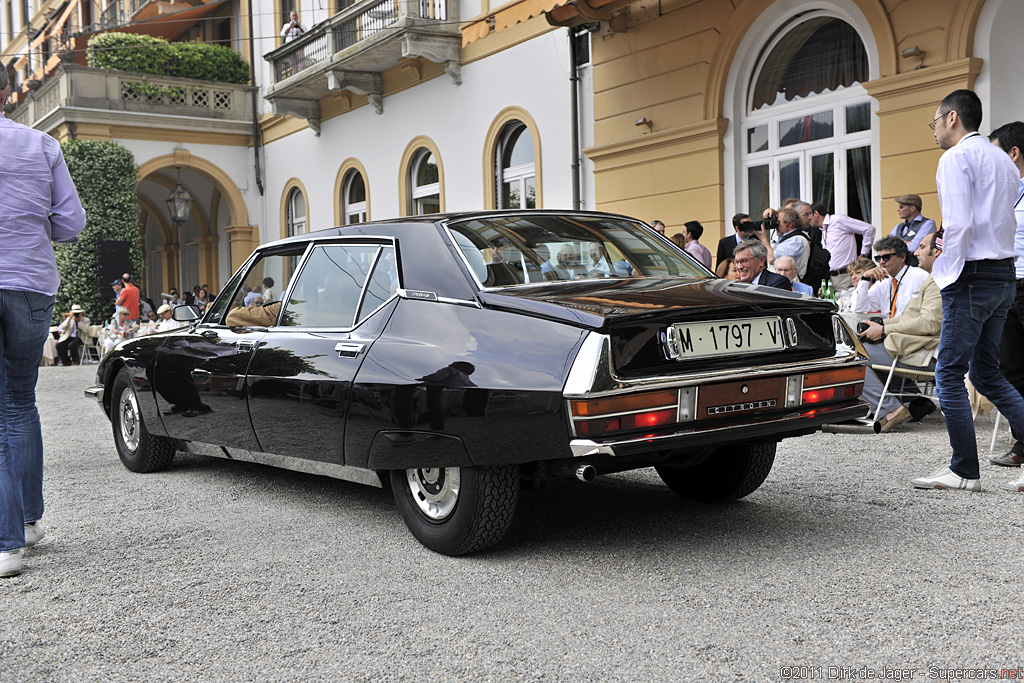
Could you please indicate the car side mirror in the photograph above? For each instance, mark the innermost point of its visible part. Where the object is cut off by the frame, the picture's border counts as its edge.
(186, 314)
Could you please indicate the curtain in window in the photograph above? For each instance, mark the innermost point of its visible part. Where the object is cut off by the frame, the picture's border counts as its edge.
(817, 55)
(859, 163)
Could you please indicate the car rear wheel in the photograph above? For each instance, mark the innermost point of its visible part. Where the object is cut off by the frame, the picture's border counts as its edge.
(457, 510)
(730, 473)
(139, 450)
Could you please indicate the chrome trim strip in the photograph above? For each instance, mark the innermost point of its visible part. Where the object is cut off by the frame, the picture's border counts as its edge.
(325, 469)
(591, 374)
(95, 392)
(829, 386)
(674, 406)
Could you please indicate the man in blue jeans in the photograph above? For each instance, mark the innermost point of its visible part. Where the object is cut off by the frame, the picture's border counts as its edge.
(38, 204)
(977, 185)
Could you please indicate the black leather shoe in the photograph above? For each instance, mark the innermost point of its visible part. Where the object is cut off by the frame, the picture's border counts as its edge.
(1013, 458)
(920, 408)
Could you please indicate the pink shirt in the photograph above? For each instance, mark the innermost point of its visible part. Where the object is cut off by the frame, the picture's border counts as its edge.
(839, 236)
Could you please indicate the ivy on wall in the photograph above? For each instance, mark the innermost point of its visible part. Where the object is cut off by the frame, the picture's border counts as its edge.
(105, 176)
(144, 54)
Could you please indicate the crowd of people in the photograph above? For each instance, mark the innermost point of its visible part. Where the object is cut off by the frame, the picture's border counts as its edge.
(949, 298)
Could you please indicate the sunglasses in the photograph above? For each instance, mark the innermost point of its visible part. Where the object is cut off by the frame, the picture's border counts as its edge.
(883, 258)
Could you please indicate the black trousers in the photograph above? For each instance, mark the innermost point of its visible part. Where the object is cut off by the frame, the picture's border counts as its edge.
(1011, 346)
(68, 350)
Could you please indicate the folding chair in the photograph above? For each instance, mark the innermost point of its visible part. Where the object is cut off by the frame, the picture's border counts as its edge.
(917, 374)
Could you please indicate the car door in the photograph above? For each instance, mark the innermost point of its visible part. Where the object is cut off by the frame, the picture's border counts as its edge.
(199, 373)
(301, 374)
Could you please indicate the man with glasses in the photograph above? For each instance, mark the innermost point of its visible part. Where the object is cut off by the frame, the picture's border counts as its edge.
(913, 226)
(978, 186)
(751, 259)
(889, 287)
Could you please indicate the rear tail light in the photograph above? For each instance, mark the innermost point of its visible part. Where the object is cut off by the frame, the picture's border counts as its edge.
(623, 413)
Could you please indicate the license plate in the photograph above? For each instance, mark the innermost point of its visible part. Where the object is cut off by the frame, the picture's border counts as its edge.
(725, 338)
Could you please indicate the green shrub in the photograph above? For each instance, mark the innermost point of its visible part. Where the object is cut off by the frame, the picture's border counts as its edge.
(148, 55)
(105, 176)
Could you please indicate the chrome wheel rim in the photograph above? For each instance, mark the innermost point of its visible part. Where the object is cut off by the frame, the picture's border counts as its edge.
(130, 420)
(435, 490)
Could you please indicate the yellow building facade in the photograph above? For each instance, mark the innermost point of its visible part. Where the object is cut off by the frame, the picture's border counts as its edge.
(676, 116)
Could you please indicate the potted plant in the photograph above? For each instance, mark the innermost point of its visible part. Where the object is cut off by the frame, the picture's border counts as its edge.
(33, 84)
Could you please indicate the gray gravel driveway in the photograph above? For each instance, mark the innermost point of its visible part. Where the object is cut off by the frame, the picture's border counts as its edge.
(228, 571)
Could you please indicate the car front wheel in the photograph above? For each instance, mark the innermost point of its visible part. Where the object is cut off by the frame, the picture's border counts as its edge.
(457, 510)
(730, 473)
(139, 450)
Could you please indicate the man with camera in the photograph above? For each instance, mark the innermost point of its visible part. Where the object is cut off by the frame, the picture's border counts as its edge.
(839, 234)
(73, 334)
(751, 258)
(293, 29)
(912, 334)
(792, 241)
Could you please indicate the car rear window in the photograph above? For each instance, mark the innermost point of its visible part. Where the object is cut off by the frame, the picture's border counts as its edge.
(518, 250)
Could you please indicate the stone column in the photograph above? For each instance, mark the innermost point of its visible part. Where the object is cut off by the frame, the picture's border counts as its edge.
(243, 239)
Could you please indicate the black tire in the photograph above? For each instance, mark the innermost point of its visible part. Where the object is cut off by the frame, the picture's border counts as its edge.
(457, 510)
(139, 450)
(730, 473)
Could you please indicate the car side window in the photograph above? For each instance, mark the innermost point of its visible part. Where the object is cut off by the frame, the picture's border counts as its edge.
(263, 284)
(382, 285)
(327, 289)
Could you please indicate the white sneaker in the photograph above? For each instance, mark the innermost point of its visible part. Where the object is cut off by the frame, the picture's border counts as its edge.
(947, 479)
(10, 563)
(1017, 485)
(34, 533)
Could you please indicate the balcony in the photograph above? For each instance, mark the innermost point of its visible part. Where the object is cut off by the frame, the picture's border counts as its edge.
(351, 50)
(79, 94)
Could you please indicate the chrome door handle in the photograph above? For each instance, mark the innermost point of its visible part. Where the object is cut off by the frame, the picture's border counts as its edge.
(349, 350)
(246, 344)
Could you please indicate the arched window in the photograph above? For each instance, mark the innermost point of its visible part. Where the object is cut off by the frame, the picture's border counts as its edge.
(353, 198)
(515, 172)
(424, 183)
(296, 213)
(807, 120)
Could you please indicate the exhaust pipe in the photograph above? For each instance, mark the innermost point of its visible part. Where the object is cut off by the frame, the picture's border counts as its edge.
(586, 472)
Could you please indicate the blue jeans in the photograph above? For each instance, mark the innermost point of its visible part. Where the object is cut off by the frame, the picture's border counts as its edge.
(24, 323)
(973, 314)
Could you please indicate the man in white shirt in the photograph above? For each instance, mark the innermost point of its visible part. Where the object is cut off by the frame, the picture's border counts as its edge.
(293, 29)
(978, 185)
(1010, 139)
(839, 237)
(895, 283)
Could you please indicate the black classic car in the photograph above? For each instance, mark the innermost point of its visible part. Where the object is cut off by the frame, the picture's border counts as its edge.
(461, 357)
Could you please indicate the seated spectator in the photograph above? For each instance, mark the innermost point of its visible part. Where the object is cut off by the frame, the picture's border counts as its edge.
(601, 265)
(862, 265)
(727, 270)
(166, 321)
(121, 328)
(891, 286)
(751, 258)
(73, 335)
(913, 336)
(253, 293)
(785, 266)
(692, 233)
(152, 317)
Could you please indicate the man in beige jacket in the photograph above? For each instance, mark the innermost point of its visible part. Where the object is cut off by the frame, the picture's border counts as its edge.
(913, 337)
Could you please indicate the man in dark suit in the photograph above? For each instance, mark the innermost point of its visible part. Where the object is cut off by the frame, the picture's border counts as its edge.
(751, 258)
(744, 230)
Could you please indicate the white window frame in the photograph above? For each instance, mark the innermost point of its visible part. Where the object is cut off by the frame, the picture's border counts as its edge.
(518, 174)
(296, 226)
(418, 193)
(352, 210)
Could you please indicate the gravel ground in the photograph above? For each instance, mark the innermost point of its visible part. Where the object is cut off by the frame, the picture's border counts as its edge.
(227, 571)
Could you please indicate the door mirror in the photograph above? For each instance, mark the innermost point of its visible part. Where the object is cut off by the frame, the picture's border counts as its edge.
(186, 314)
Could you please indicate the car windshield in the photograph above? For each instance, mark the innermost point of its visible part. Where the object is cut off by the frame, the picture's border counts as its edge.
(517, 250)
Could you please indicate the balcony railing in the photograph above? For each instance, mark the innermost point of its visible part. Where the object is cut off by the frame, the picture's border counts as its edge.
(119, 12)
(358, 28)
(118, 91)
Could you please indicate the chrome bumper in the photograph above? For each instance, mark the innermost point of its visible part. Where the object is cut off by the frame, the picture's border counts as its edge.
(96, 392)
(695, 438)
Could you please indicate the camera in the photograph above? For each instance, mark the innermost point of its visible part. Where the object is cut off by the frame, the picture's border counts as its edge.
(770, 223)
(862, 326)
